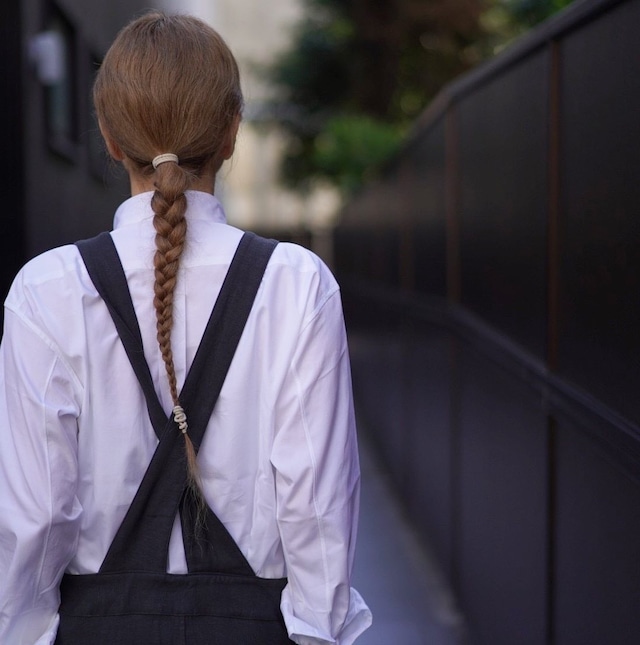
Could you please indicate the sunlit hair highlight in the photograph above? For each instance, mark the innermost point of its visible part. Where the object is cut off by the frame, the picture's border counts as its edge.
(169, 84)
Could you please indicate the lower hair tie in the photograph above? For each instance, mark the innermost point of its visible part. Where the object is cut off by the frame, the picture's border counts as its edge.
(180, 418)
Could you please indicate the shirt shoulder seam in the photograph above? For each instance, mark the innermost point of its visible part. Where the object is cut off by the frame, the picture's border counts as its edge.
(48, 342)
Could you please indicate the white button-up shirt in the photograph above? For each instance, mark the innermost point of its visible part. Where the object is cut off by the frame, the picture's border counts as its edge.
(279, 460)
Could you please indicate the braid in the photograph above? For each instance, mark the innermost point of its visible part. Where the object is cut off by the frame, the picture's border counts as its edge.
(171, 228)
(169, 204)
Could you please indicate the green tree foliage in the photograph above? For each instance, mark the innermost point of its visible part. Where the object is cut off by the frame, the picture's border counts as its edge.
(351, 147)
(360, 72)
(528, 13)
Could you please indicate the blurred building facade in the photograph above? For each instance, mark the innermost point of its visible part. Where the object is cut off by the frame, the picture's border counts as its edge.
(57, 184)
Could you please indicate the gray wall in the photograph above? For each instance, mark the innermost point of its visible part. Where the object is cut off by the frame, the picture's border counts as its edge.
(491, 283)
(70, 192)
(54, 191)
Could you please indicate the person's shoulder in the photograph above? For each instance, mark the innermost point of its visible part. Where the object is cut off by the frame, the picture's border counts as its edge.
(50, 265)
(42, 273)
(300, 280)
(300, 259)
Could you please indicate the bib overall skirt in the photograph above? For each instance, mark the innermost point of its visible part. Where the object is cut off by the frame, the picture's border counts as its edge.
(132, 599)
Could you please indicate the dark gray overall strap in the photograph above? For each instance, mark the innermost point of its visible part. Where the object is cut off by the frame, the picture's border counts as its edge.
(105, 270)
(142, 540)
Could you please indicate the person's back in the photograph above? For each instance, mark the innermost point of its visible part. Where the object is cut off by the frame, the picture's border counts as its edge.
(278, 462)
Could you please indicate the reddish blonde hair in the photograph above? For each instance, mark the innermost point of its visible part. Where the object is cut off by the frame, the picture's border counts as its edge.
(169, 84)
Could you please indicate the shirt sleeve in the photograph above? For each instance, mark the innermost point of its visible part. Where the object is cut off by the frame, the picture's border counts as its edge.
(39, 511)
(317, 474)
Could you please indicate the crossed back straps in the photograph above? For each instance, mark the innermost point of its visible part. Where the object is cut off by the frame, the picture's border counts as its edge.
(142, 541)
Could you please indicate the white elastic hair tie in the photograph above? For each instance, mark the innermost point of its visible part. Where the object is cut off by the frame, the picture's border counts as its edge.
(168, 156)
(180, 418)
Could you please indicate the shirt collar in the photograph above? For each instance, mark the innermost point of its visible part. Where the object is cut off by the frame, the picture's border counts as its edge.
(200, 205)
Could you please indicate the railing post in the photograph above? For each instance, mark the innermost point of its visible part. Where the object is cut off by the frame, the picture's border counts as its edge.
(553, 278)
(451, 205)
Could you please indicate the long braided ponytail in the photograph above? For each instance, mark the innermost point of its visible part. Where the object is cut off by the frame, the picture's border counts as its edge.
(169, 87)
(169, 204)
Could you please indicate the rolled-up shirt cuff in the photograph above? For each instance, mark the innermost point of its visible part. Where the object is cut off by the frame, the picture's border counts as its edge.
(358, 619)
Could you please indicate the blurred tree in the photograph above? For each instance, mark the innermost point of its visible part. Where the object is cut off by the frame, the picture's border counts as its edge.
(360, 71)
(351, 147)
(504, 20)
(528, 13)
